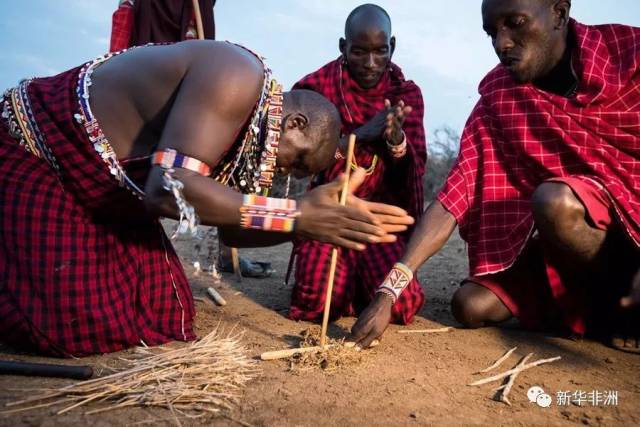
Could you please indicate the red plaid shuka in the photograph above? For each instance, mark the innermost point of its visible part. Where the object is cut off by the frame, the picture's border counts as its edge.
(518, 136)
(359, 274)
(83, 269)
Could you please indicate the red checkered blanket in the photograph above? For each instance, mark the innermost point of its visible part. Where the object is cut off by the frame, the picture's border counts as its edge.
(83, 268)
(518, 136)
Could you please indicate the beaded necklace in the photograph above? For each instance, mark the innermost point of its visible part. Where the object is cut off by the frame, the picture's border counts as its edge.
(252, 167)
(23, 125)
(92, 127)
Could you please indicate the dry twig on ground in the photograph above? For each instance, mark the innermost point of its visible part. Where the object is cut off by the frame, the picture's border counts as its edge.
(425, 331)
(498, 362)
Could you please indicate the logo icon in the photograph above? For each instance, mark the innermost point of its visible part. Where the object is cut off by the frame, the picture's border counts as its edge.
(538, 396)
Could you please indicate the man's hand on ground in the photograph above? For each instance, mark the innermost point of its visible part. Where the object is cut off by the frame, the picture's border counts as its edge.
(372, 322)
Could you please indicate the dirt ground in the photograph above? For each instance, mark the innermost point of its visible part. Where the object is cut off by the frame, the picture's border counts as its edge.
(410, 379)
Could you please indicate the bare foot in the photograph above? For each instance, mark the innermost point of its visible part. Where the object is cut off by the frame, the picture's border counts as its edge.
(628, 336)
(629, 345)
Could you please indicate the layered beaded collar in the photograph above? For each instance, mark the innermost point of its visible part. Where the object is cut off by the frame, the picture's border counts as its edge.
(252, 167)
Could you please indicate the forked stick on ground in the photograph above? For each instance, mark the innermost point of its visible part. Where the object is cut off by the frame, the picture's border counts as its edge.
(503, 391)
(514, 370)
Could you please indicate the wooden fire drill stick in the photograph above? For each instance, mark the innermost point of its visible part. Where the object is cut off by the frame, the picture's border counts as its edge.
(334, 252)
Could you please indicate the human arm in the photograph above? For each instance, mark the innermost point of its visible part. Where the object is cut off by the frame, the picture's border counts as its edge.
(329, 219)
(430, 235)
(204, 130)
(386, 125)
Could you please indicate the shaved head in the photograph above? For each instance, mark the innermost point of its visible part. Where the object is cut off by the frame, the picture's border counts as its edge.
(311, 132)
(365, 17)
(322, 114)
(367, 45)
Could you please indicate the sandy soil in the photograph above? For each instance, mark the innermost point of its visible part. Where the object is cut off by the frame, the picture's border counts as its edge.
(410, 379)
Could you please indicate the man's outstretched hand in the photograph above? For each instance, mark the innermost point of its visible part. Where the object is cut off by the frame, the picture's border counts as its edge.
(323, 218)
(392, 219)
(372, 322)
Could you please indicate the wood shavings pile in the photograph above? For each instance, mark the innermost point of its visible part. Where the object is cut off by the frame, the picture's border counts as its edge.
(335, 356)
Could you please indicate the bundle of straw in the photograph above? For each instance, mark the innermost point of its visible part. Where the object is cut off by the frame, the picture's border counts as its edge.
(203, 377)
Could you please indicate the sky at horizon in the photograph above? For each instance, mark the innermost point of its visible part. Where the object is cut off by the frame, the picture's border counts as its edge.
(440, 45)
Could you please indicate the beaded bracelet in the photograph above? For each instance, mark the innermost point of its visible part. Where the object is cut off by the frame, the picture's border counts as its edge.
(170, 159)
(268, 213)
(398, 151)
(395, 282)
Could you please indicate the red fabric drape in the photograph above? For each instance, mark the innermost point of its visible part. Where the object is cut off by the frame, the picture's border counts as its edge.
(519, 136)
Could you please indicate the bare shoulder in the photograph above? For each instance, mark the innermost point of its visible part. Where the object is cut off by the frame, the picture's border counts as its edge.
(226, 72)
(141, 82)
(216, 66)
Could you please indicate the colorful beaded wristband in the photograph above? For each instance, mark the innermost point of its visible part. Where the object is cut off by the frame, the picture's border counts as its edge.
(268, 213)
(395, 282)
(170, 159)
(398, 151)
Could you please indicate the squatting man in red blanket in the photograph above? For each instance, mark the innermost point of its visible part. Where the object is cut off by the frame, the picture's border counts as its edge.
(385, 111)
(546, 188)
(90, 158)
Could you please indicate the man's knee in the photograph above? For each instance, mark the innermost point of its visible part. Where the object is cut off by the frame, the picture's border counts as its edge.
(556, 208)
(468, 307)
(474, 306)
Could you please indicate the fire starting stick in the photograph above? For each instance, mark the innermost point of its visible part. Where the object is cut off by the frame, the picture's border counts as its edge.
(334, 251)
(283, 354)
(503, 391)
